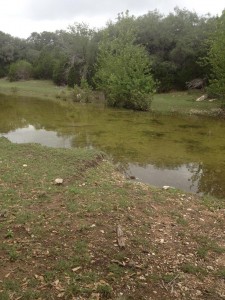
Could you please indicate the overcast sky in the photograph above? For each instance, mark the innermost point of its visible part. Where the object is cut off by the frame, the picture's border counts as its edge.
(22, 17)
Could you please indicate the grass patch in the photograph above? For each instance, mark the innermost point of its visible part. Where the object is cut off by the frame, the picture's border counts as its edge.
(179, 218)
(212, 203)
(193, 269)
(221, 273)
(181, 102)
(42, 89)
(104, 290)
(206, 245)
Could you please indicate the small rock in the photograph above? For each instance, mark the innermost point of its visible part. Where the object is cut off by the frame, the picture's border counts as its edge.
(58, 181)
(76, 269)
(166, 187)
(198, 293)
(24, 165)
(202, 98)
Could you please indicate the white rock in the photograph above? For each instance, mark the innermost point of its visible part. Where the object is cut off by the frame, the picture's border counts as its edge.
(202, 98)
(166, 187)
(58, 181)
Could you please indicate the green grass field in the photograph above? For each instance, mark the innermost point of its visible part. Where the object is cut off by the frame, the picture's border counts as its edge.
(43, 89)
(182, 102)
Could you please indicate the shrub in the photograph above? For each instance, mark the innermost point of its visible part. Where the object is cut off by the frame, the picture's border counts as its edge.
(20, 70)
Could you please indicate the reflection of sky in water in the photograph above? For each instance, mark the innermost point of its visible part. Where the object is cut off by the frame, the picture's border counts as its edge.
(179, 178)
(32, 135)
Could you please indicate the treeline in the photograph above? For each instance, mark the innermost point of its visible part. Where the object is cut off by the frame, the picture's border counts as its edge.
(177, 45)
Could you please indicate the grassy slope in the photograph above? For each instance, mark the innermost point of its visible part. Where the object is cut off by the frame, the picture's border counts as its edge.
(181, 102)
(61, 241)
(43, 89)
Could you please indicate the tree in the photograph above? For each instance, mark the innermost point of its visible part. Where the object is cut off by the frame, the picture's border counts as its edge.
(175, 43)
(20, 70)
(59, 75)
(123, 71)
(216, 58)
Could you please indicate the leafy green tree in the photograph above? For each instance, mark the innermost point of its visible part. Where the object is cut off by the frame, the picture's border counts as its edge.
(123, 70)
(74, 76)
(44, 65)
(20, 70)
(59, 71)
(216, 58)
(175, 43)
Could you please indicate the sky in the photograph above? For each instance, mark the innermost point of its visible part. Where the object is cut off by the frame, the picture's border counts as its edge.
(22, 17)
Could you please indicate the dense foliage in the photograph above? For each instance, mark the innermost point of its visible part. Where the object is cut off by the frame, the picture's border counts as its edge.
(20, 70)
(216, 59)
(123, 70)
(172, 45)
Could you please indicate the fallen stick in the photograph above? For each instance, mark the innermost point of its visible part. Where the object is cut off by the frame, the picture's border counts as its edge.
(120, 237)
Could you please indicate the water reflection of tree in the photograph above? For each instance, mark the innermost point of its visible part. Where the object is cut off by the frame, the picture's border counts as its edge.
(209, 179)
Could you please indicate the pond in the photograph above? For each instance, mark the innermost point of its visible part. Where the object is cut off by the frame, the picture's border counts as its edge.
(186, 152)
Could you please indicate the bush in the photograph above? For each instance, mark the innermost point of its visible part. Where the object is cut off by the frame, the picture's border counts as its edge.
(20, 70)
(123, 70)
(83, 93)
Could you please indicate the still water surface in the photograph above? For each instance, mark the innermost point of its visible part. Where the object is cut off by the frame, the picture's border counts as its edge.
(184, 152)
